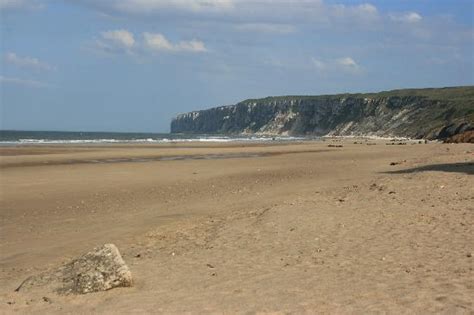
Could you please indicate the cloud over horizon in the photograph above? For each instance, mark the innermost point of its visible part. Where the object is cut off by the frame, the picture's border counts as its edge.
(408, 17)
(345, 64)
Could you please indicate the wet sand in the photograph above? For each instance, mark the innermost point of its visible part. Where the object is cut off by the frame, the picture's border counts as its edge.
(238, 228)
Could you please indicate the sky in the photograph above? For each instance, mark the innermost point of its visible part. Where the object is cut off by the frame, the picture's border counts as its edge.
(132, 65)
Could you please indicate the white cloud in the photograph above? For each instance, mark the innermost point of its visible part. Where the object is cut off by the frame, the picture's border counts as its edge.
(347, 62)
(158, 42)
(409, 17)
(26, 62)
(119, 37)
(116, 41)
(191, 46)
(23, 82)
(20, 4)
(367, 8)
(412, 17)
(270, 28)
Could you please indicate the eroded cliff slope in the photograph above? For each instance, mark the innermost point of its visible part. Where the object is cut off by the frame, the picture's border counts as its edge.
(415, 113)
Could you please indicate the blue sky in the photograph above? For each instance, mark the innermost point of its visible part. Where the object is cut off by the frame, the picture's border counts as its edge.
(131, 65)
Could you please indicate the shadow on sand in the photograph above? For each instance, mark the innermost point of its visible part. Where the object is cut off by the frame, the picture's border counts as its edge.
(465, 167)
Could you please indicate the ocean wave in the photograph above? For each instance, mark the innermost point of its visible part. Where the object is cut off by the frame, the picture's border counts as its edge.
(150, 140)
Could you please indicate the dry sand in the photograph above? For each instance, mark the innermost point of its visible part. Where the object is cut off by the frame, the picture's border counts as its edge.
(240, 228)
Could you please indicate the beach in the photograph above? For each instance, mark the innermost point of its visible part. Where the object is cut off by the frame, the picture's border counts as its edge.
(336, 226)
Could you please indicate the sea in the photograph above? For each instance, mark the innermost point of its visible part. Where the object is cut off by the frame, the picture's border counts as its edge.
(18, 137)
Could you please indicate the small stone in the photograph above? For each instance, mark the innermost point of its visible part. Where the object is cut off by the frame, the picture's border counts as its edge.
(47, 299)
(469, 255)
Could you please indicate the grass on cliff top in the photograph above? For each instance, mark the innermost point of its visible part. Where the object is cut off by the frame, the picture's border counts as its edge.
(459, 100)
(462, 95)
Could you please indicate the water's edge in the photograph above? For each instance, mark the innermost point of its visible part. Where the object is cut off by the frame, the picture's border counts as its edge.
(12, 138)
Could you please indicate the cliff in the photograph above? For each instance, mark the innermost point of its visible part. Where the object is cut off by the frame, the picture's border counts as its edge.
(415, 113)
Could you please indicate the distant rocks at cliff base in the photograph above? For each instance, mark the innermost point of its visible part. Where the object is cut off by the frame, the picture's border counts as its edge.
(438, 113)
(453, 129)
(98, 270)
(464, 137)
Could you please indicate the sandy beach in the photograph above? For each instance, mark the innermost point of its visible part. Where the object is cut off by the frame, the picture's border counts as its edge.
(299, 227)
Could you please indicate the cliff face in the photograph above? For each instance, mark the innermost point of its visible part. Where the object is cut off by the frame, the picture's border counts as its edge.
(428, 113)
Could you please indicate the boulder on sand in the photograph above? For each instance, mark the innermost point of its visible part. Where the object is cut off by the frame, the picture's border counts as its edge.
(98, 270)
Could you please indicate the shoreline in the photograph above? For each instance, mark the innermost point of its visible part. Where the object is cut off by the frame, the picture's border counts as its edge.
(176, 139)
